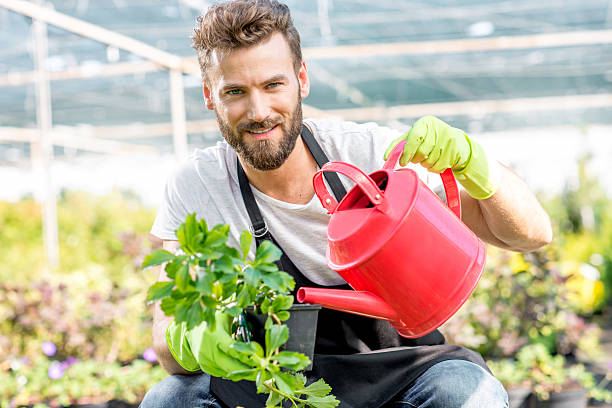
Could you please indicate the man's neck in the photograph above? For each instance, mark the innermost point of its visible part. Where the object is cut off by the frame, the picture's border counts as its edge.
(291, 182)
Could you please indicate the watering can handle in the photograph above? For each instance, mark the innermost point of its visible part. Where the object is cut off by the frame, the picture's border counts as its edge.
(451, 189)
(367, 185)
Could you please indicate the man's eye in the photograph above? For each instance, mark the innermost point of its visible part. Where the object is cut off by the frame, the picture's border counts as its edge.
(274, 84)
(234, 92)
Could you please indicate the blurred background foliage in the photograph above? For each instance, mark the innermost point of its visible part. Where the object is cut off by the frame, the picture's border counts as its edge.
(82, 333)
(91, 311)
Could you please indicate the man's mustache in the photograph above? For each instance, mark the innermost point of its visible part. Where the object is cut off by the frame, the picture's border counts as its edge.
(252, 125)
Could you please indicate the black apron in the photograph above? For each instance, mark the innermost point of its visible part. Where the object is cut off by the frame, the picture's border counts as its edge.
(365, 361)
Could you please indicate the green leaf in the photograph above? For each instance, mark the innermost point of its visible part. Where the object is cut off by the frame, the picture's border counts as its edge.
(262, 376)
(267, 252)
(279, 281)
(282, 302)
(203, 226)
(274, 400)
(283, 315)
(242, 375)
(191, 227)
(204, 281)
(183, 279)
(196, 241)
(285, 382)
(159, 291)
(234, 311)
(209, 317)
(325, 402)
(269, 322)
(157, 257)
(173, 266)
(291, 360)
(232, 253)
(252, 349)
(217, 236)
(223, 265)
(267, 267)
(245, 243)
(194, 315)
(168, 306)
(245, 297)
(317, 389)
(276, 336)
(182, 238)
(181, 312)
(251, 276)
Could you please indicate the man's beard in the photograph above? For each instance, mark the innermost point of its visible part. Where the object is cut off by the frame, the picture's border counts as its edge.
(264, 154)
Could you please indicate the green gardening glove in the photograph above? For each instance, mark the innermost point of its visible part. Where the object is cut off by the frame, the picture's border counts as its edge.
(205, 349)
(437, 146)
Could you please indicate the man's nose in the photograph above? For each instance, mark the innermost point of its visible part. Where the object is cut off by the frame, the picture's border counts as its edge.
(259, 107)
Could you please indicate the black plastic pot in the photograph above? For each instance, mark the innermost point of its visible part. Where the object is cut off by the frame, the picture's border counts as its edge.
(564, 399)
(519, 397)
(302, 329)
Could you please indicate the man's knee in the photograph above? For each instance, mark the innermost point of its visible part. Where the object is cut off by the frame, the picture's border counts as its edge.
(458, 384)
(181, 391)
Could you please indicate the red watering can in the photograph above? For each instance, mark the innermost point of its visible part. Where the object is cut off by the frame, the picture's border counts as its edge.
(409, 257)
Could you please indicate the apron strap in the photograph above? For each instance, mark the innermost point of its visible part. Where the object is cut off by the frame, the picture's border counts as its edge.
(332, 178)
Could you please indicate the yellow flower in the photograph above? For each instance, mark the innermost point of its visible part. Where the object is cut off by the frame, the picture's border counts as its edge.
(518, 263)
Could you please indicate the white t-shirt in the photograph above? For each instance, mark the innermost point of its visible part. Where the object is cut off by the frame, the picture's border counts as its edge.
(207, 184)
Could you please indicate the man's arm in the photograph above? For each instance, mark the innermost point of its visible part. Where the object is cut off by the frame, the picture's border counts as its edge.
(160, 324)
(512, 218)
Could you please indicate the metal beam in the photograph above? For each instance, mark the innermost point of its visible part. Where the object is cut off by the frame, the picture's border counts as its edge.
(90, 134)
(547, 103)
(42, 149)
(190, 64)
(95, 32)
(573, 38)
(81, 138)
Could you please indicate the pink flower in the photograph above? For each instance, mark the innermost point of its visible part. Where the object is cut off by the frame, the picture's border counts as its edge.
(149, 355)
(56, 371)
(49, 348)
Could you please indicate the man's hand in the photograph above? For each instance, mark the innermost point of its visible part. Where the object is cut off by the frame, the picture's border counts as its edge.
(204, 348)
(437, 146)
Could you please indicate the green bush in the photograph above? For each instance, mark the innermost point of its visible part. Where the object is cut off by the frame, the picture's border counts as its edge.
(91, 308)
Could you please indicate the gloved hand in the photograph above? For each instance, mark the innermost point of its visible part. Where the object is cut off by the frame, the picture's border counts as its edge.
(201, 348)
(438, 146)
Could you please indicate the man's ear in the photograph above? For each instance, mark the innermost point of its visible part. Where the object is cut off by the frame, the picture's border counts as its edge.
(304, 81)
(207, 97)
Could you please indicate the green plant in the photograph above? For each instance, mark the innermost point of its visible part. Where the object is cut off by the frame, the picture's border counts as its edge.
(40, 381)
(209, 277)
(509, 373)
(547, 373)
(521, 299)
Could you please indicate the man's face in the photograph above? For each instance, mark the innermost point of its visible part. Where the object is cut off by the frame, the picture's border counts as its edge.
(257, 99)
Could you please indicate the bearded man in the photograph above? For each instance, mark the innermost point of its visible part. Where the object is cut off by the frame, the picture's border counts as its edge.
(260, 178)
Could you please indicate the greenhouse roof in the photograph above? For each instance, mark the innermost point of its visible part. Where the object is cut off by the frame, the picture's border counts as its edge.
(566, 81)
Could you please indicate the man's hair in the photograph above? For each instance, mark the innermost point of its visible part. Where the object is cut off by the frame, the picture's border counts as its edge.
(242, 23)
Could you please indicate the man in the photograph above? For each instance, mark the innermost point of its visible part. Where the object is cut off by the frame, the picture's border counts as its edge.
(254, 79)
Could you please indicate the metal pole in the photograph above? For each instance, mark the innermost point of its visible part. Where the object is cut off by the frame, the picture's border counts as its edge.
(43, 156)
(177, 105)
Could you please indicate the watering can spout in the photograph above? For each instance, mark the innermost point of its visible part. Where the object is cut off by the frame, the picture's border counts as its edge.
(356, 302)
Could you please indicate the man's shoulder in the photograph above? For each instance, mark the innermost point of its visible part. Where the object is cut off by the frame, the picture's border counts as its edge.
(203, 165)
(336, 128)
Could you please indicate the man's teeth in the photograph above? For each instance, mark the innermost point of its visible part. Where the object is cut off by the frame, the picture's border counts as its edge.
(260, 131)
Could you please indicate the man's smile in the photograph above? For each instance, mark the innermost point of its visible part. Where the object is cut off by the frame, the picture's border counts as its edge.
(262, 134)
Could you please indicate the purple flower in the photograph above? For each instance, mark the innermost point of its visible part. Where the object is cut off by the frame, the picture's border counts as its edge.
(56, 371)
(68, 362)
(149, 355)
(48, 348)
